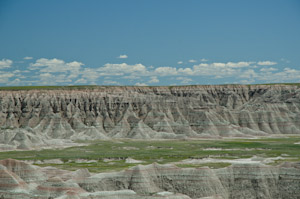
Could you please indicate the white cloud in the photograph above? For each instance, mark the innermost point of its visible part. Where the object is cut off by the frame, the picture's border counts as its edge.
(4, 76)
(53, 79)
(218, 77)
(48, 62)
(222, 70)
(165, 71)
(56, 72)
(186, 71)
(248, 81)
(81, 81)
(46, 75)
(266, 63)
(180, 62)
(16, 71)
(123, 57)
(47, 79)
(238, 64)
(268, 69)
(248, 74)
(203, 60)
(153, 80)
(184, 80)
(131, 77)
(90, 74)
(217, 64)
(227, 65)
(121, 69)
(74, 64)
(5, 63)
(203, 69)
(56, 65)
(69, 71)
(286, 75)
(213, 69)
(140, 84)
(192, 61)
(28, 58)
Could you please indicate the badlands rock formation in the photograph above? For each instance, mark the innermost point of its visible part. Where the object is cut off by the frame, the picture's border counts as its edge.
(155, 181)
(37, 118)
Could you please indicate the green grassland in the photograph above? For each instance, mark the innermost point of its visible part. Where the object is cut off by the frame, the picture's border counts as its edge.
(111, 155)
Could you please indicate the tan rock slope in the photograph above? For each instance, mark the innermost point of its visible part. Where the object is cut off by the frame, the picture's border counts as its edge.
(155, 181)
(46, 117)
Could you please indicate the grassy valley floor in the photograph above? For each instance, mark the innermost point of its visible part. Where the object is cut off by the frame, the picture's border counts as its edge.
(115, 155)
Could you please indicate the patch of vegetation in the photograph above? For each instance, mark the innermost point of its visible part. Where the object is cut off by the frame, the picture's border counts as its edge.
(96, 167)
(161, 151)
(212, 165)
(7, 128)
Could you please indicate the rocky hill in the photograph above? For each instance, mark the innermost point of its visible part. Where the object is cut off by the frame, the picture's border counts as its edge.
(34, 118)
(155, 181)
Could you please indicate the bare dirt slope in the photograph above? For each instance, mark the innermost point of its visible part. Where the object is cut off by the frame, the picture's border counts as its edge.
(34, 118)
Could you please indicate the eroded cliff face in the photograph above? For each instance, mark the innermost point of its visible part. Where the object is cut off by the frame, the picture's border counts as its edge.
(239, 181)
(44, 117)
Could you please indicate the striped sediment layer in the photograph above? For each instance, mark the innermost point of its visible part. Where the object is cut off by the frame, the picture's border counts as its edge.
(35, 118)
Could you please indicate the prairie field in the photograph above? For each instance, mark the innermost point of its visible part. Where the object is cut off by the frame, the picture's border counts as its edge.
(114, 155)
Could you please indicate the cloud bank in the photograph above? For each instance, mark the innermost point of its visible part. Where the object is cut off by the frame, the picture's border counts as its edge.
(54, 71)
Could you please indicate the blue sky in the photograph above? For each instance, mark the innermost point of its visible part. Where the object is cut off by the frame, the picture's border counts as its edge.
(143, 42)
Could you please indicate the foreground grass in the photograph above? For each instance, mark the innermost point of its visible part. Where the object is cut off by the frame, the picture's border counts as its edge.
(111, 155)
